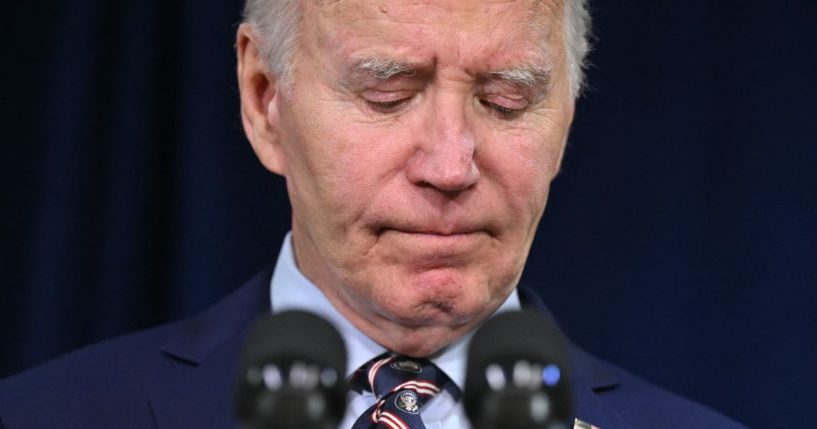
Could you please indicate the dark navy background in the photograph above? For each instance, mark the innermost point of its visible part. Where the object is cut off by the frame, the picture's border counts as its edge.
(680, 240)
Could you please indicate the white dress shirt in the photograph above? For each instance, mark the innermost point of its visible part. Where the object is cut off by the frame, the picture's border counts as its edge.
(291, 290)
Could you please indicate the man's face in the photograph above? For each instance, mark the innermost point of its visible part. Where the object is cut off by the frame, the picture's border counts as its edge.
(418, 141)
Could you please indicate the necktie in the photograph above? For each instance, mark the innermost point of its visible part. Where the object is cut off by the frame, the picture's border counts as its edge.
(402, 386)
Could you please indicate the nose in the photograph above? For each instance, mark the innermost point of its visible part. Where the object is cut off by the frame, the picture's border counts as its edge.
(446, 149)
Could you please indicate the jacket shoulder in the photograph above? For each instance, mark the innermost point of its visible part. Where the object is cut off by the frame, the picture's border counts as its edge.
(643, 404)
(182, 369)
(612, 398)
(102, 385)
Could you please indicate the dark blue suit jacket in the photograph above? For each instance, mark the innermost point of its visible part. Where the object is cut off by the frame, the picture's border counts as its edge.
(181, 376)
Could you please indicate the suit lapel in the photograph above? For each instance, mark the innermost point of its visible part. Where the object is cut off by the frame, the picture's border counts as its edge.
(590, 376)
(205, 352)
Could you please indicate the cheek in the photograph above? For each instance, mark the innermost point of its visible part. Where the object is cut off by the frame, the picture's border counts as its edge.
(363, 160)
(322, 158)
(342, 167)
(523, 164)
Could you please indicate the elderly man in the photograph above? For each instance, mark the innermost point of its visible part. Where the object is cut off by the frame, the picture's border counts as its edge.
(418, 140)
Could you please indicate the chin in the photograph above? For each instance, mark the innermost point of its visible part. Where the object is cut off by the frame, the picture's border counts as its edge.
(441, 306)
(426, 327)
(424, 342)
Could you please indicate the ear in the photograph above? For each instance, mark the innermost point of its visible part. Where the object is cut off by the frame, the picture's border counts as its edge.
(259, 101)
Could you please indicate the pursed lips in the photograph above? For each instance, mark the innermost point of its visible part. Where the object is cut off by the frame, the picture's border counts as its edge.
(452, 231)
(438, 233)
(433, 237)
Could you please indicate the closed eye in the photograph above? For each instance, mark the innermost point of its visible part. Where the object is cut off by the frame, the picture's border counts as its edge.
(390, 106)
(501, 111)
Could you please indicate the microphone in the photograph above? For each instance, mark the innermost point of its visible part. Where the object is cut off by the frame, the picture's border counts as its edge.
(517, 374)
(291, 374)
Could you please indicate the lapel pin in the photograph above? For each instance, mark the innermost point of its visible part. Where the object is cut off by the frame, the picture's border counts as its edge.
(578, 424)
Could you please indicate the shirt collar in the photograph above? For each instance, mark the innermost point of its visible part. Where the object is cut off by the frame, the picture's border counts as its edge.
(291, 290)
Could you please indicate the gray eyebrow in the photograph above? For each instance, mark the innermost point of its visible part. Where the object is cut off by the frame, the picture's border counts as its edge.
(386, 68)
(383, 68)
(524, 76)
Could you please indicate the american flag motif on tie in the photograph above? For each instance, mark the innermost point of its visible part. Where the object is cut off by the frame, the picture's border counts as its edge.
(402, 386)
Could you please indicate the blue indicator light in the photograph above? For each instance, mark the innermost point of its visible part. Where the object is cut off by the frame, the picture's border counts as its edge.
(551, 375)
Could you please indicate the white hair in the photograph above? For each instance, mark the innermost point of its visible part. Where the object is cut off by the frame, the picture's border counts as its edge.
(277, 22)
(577, 39)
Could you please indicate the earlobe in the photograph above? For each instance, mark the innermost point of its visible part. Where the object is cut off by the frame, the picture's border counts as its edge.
(259, 101)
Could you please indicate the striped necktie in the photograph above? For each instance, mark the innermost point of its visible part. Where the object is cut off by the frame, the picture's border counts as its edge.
(402, 386)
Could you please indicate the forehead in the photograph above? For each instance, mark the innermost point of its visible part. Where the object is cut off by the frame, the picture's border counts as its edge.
(483, 32)
(462, 7)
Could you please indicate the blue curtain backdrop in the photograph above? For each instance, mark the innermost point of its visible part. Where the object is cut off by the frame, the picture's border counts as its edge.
(680, 240)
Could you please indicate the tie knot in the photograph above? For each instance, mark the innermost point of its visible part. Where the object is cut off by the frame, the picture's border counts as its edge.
(402, 385)
(390, 373)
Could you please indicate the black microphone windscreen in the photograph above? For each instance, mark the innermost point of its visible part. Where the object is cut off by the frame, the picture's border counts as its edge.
(294, 335)
(518, 373)
(291, 373)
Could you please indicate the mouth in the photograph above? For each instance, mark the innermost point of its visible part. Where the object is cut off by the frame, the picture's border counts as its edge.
(446, 232)
(436, 241)
(432, 233)
(438, 228)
